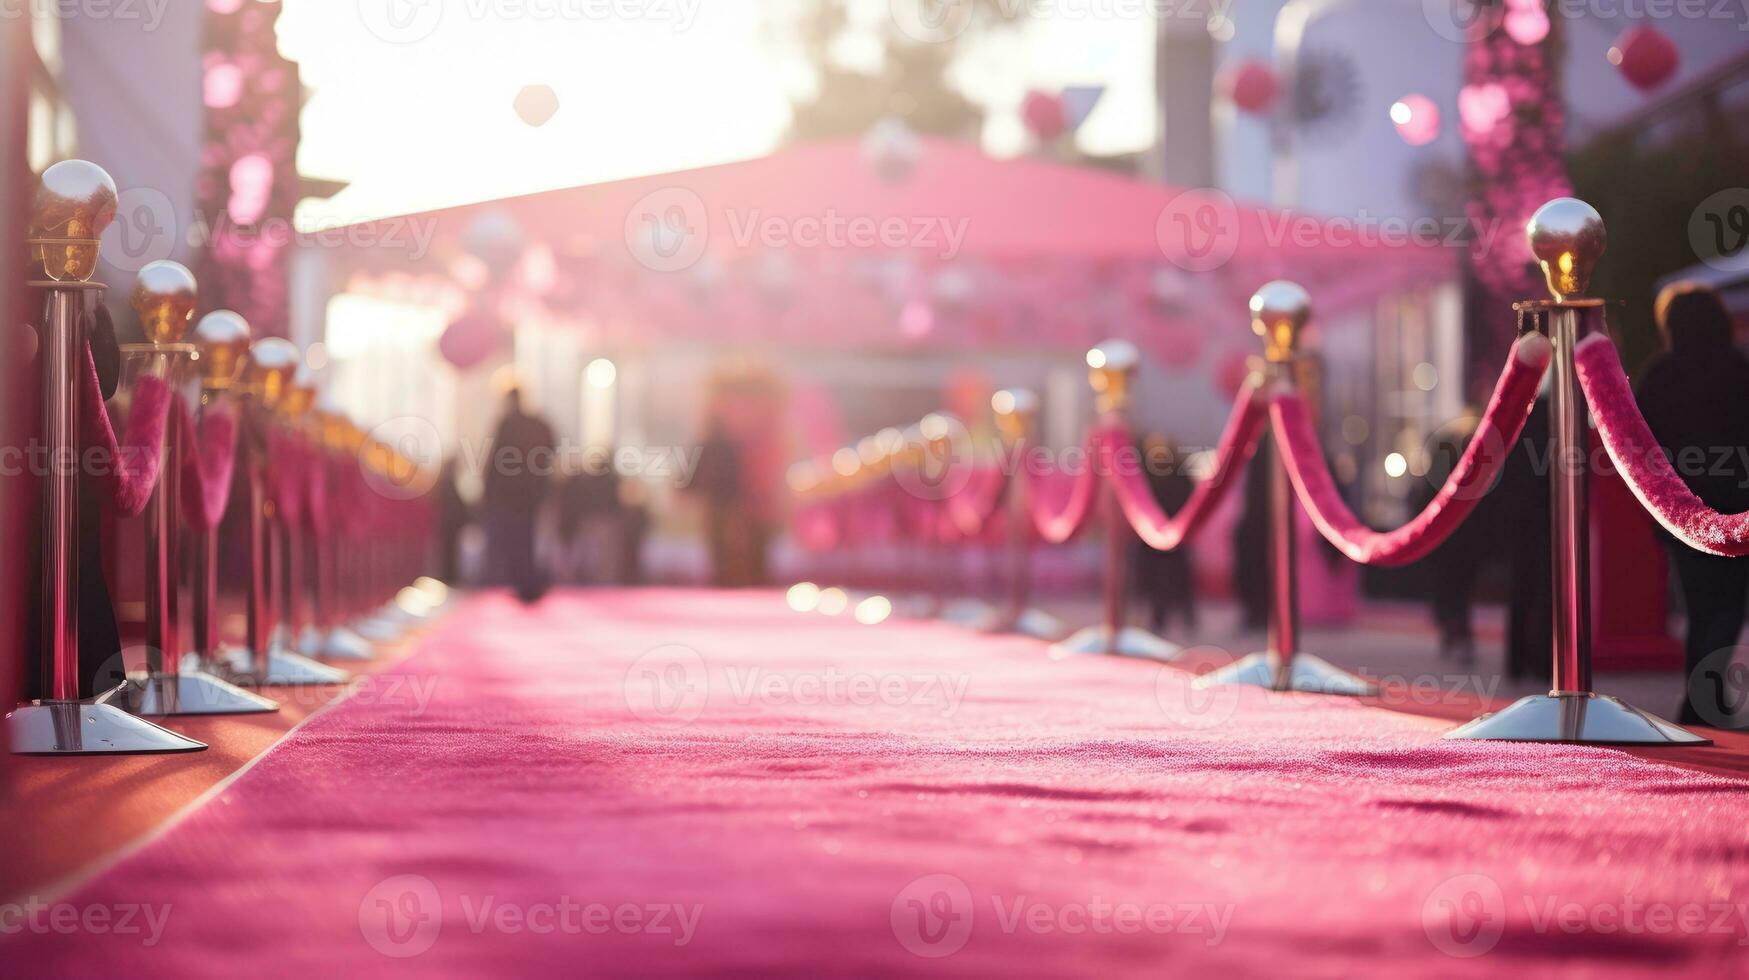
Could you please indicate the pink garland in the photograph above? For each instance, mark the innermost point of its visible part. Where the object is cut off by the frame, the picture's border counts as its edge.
(130, 466)
(208, 459)
(1470, 479)
(1143, 510)
(1641, 461)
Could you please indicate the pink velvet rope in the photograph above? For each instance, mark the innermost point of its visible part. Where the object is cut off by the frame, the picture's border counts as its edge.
(1142, 509)
(1470, 479)
(315, 472)
(1058, 521)
(970, 510)
(1641, 460)
(128, 466)
(285, 477)
(209, 456)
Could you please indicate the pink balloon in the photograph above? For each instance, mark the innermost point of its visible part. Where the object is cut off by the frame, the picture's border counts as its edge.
(1646, 56)
(472, 339)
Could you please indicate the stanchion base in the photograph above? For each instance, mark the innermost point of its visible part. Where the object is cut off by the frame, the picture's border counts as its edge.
(1308, 675)
(970, 613)
(341, 643)
(89, 728)
(1591, 719)
(1036, 623)
(287, 669)
(1131, 642)
(381, 628)
(193, 693)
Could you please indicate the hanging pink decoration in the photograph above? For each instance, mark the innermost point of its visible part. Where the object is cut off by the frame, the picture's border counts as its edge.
(1044, 114)
(1417, 119)
(1251, 85)
(1526, 21)
(1646, 56)
(471, 339)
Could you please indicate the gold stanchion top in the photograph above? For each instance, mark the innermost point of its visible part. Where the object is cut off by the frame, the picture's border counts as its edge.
(268, 371)
(1015, 410)
(1111, 367)
(74, 204)
(300, 391)
(1279, 311)
(163, 299)
(223, 338)
(1567, 237)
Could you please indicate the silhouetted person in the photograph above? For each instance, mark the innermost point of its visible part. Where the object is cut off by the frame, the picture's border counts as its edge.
(452, 519)
(517, 478)
(589, 524)
(1164, 577)
(719, 481)
(1455, 564)
(1520, 510)
(1251, 542)
(1696, 400)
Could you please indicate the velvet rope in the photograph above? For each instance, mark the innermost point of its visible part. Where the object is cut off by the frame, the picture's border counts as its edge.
(1470, 480)
(128, 466)
(1059, 520)
(1142, 509)
(285, 476)
(1642, 462)
(972, 507)
(209, 456)
(315, 487)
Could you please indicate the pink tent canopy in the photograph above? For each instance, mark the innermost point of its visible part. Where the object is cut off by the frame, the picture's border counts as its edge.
(816, 245)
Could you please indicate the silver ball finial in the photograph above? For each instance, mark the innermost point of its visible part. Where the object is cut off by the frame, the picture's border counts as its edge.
(1279, 311)
(1567, 237)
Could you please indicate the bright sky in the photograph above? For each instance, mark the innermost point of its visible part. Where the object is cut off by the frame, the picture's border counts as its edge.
(428, 122)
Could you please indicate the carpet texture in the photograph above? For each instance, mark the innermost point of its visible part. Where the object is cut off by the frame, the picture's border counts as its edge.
(659, 782)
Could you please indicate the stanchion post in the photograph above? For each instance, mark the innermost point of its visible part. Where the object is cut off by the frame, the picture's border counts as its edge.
(1016, 412)
(76, 201)
(1567, 237)
(1111, 371)
(268, 378)
(221, 342)
(1279, 313)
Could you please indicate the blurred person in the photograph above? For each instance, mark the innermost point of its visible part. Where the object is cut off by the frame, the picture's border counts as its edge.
(590, 525)
(1164, 577)
(517, 483)
(1251, 542)
(718, 481)
(453, 517)
(1696, 399)
(1457, 563)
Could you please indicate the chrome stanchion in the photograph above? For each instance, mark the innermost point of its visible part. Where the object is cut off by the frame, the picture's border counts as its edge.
(1111, 370)
(1567, 237)
(267, 376)
(1279, 312)
(185, 686)
(1016, 411)
(75, 203)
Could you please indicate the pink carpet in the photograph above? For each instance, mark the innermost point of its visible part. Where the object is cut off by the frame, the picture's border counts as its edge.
(689, 782)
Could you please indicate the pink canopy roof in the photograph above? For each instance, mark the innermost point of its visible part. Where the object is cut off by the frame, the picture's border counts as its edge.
(813, 244)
